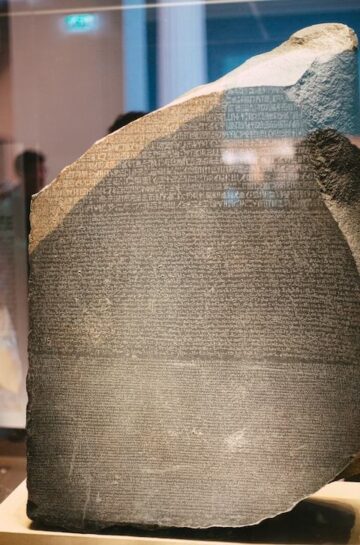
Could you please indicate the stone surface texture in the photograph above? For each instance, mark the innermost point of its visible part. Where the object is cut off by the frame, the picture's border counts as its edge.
(194, 346)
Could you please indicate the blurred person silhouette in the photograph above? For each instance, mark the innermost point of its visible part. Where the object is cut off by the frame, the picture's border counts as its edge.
(30, 167)
(125, 119)
(11, 248)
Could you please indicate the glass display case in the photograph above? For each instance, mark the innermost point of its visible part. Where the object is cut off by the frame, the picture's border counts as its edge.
(72, 73)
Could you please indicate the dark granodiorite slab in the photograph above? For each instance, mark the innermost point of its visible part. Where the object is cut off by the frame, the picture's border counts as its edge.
(194, 346)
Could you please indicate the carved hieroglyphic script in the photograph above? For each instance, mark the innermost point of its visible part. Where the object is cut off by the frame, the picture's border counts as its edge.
(196, 311)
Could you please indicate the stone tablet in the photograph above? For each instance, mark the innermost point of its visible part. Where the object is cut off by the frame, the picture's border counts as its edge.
(194, 345)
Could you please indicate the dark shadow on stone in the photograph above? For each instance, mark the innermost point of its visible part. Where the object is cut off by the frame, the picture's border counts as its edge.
(336, 164)
(310, 522)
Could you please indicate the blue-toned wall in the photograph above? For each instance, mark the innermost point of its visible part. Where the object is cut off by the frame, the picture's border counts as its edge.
(233, 40)
(236, 32)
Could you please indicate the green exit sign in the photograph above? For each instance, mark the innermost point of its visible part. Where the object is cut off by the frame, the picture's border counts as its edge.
(81, 22)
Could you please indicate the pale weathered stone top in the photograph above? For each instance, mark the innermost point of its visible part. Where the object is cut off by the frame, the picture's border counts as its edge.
(286, 64)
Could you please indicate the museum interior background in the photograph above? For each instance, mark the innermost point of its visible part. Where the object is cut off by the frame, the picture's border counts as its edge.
(65, 76)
